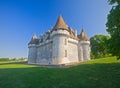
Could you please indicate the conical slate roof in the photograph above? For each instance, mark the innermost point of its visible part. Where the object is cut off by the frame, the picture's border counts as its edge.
(34, 40)
(60, 24)
(83, 36)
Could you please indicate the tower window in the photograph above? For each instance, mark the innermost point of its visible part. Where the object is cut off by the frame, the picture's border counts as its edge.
(65, 53)
(65, 41)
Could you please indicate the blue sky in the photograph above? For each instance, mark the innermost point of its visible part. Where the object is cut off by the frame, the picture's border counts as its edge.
(20, 19)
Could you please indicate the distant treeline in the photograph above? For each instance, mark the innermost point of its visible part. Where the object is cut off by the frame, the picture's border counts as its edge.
(4, 59)
(12, 59)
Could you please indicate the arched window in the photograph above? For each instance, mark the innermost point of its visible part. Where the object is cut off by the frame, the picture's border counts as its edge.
(65, 41)
(65, 53)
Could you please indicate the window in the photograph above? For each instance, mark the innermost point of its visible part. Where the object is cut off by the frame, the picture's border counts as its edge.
(65, 53)
(65, 41)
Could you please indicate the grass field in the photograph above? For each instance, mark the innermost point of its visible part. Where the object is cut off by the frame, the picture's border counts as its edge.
(100, 73)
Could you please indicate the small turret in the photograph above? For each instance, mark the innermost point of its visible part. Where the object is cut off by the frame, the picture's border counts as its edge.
(32, 49)
(83, 36)
(84, 43)
(34, 40)
(34, 36)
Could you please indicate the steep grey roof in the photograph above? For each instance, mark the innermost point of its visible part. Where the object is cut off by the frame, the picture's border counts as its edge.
(83, 36)
(34, 40)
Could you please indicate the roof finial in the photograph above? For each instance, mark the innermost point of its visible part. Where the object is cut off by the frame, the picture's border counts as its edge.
(82, 26)
(34, 36)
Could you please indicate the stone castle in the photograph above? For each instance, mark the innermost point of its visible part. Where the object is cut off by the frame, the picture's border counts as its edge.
(60, 45)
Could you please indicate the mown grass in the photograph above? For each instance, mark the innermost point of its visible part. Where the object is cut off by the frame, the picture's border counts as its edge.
(100, 73)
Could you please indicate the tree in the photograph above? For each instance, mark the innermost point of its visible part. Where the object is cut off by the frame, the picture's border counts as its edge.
(113, 27)
(13, 59)
(4, 59)
(99, 46)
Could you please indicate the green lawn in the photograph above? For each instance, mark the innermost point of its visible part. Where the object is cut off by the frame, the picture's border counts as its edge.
(100, 73)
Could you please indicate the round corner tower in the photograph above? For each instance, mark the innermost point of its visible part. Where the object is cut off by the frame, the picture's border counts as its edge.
(83, 47)
(60, 36)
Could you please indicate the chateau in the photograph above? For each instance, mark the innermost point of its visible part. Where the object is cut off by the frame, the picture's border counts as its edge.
(59, 45)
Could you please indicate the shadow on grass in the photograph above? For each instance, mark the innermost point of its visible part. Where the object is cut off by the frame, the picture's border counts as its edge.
(81, 76)
(21, 62)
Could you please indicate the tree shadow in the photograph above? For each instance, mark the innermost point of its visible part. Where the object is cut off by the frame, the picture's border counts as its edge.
(21, 62)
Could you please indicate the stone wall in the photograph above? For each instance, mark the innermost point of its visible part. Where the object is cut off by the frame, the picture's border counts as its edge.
(59, 47)
(80, 52)
(85, 50)
(72, 50)
(44, 53)
(32, 53)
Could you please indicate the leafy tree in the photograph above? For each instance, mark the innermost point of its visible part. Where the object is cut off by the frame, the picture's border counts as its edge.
(22, 59)
(13, 59)
(99, 46)
(4, 59)
(113, 27)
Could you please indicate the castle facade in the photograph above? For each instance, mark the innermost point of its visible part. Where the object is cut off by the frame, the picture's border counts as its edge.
(60, 45)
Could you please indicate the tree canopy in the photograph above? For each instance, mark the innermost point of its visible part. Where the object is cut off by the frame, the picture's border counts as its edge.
(113, 27)
(99, 45)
